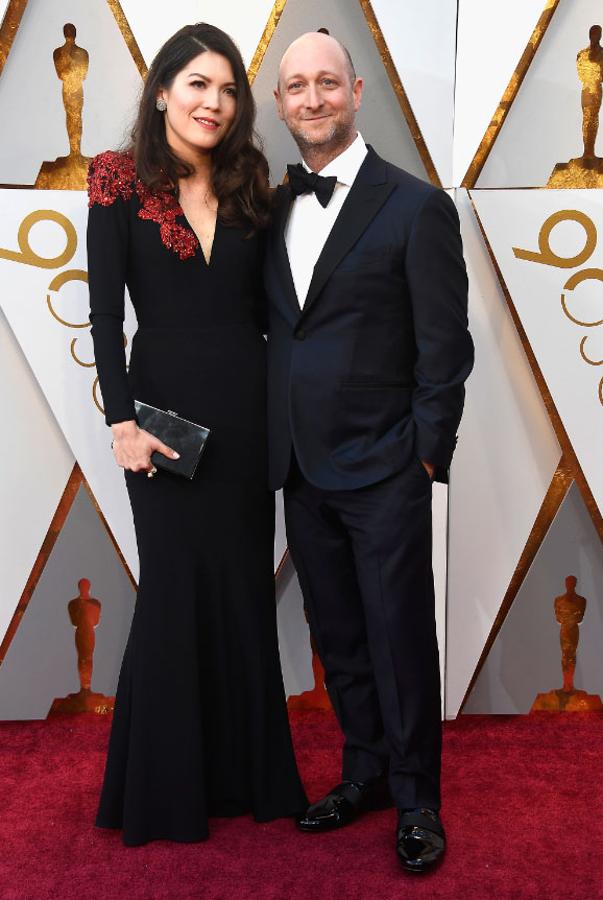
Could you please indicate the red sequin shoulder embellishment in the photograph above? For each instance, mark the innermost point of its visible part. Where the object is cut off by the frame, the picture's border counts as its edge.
(163, 208)
(111, 175)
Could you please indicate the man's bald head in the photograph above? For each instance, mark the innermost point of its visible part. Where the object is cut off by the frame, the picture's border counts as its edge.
(312, 41)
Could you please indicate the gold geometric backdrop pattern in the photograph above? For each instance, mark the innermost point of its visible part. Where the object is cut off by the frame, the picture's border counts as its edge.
(581, 172)
(71, 63)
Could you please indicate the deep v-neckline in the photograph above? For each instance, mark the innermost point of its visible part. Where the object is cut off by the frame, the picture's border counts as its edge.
(206, 259)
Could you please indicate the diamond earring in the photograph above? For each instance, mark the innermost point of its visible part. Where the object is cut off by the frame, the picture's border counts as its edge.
(161, 105)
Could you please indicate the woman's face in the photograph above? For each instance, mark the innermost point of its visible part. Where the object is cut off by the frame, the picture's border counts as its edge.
(201, 105)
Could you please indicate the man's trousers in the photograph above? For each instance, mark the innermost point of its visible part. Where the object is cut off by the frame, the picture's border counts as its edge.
(363, 559)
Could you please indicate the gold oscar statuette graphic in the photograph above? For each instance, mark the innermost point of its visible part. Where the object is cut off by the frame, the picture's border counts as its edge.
(586, 171)
(84, 614)
(569, 612)
(71, 64)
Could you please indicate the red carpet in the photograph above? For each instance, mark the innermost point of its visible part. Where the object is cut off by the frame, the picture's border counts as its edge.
(523, 799)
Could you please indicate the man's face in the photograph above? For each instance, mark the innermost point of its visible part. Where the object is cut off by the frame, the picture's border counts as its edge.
(316, 97)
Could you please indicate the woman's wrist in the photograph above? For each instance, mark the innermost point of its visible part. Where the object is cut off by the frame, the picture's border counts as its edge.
(124, 429)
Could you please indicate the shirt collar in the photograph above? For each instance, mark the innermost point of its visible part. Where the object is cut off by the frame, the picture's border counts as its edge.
(347, 165)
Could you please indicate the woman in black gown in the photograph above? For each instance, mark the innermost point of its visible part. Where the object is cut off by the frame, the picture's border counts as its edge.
(200, 726)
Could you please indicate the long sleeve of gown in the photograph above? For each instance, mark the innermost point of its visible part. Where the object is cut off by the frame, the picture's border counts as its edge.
(107, 239)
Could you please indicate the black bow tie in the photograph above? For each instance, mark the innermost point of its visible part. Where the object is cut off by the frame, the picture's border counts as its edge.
(303, 182)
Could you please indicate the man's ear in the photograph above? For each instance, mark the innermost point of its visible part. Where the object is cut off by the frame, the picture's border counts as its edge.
(279, 103)
(357, 91)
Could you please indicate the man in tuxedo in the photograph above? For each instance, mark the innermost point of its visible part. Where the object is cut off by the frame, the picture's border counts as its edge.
(368, 351)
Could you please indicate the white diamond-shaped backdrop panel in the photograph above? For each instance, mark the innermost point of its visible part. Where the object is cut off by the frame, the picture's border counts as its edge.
(41, 662)
(525, 659)
(293, 633)
(280, 535)
(439, 512)
(421, 38)
(544, 124)
(31, 106)
(506, 456)
(35, 461)
(153, 25)
(47, 309)
(491, 40)
(545, 243)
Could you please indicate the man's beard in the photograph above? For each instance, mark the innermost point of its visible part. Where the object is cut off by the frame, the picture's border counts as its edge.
(337, 136)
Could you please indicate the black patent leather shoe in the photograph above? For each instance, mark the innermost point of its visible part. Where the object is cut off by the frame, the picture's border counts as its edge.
(344, 804)
(420, 839)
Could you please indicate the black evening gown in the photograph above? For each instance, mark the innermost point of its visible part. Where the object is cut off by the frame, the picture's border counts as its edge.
(200, 726)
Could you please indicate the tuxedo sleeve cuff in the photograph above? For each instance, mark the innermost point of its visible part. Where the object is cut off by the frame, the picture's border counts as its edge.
(434, 449)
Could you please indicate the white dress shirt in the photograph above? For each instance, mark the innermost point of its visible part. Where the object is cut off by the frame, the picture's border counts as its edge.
(309, 225)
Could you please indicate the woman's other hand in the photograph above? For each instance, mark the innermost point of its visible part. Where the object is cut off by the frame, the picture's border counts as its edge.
(132, 447)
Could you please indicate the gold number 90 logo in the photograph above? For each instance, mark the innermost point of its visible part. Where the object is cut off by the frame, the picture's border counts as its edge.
(26, 255)
(545, 255)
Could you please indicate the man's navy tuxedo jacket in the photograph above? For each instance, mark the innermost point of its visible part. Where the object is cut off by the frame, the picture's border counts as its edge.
(371, 371)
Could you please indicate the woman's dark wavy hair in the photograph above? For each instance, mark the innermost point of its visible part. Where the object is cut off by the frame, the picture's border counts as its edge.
(239, 168)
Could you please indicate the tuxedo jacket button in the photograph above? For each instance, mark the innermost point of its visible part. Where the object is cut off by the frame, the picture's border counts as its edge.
(300, 335)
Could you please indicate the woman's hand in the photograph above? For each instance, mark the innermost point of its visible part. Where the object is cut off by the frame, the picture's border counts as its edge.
(132, 447)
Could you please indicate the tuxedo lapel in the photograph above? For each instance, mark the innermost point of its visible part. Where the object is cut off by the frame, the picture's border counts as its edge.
(367, 195)
(281, 257)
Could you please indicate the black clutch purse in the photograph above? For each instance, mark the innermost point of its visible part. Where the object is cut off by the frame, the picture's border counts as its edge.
(187, 438)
